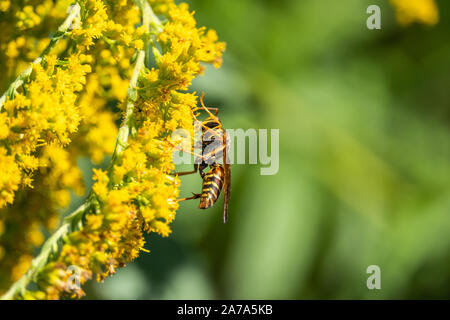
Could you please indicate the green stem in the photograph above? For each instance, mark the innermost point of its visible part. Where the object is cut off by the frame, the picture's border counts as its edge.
(51, 245)
(74, 13)
(125, 128)
(150, 20)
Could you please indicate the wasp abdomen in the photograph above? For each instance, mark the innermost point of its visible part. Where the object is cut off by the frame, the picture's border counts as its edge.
(211, 187)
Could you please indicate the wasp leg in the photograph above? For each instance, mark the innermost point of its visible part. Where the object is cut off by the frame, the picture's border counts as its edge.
(193, 114)
(184, 173)
(216, 110)
(208, 109)
(211, 130)
(199, 156)
(213, 116)
(190, 152)
(195, 196)
(208, 155)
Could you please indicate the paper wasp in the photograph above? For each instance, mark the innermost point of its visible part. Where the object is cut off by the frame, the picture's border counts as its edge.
(219, 176)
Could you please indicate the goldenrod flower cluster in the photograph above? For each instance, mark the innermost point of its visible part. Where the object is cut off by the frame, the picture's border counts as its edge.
(39, 119)
(422, 11)
(46, 114)
(67, 108)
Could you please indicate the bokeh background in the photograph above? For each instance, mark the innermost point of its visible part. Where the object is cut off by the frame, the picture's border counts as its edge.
(364, 173)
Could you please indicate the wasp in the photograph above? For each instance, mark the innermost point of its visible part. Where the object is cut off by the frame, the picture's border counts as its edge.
(218, 176)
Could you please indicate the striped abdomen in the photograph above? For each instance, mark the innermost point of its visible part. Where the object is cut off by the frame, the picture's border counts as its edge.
(211, 187)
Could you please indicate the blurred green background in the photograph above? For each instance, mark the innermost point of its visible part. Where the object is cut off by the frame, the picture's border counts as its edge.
(364, 175)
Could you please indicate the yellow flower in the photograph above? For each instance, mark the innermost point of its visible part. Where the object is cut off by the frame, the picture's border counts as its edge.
(27, 18)
(94, 26)
(9, 179)
(139, 44)
(4, 5)
(409, 11)
(47, 114)
(101, 186)
(21, 267)
(160, 6)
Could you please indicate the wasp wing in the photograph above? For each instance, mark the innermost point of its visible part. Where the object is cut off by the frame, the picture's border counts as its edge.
(227, 178)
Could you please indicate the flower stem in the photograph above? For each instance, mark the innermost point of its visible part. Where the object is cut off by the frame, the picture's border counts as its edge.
(50, 246)
(73, 13)
(150, 20)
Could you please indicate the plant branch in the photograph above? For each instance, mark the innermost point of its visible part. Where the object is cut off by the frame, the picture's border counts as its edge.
(50, 246)
(150, 20)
